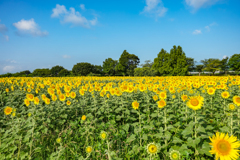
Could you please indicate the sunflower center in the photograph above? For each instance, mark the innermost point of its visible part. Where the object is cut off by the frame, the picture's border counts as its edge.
(152, 148)
(238, 99)
(223, 147)
(174, 155)
(161, 103)
(194, 102)
(225, 94)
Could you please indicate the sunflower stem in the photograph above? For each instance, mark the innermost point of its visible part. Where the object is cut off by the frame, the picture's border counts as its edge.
(224, 107)
(231, 123)
(109, 157)
(196, 132)
(165, 129)
(211, 107)
(140, 129)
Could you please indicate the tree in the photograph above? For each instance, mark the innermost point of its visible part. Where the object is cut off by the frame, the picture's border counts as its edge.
(26, 72)
(109, 66)
(211, 65)
(224, 65)
(56, 69)
(97, 69)
(234, 62)
(191, 64)
(145, 71)
(64, 73)
(199, 68)
(147, 63)
(82, 69)
(161, 63)
(45, 72)
(127, 63)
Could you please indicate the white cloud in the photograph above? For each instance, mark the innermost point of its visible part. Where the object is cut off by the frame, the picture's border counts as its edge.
(197, 32)
(6, 37)
(196, 4)
(8, 68)
(13, 61)
(225, 56)
(82, 6)
(29, 27)
(66, 56)
(155, 8)
(210, 25)
(60, 9)
(72, 16)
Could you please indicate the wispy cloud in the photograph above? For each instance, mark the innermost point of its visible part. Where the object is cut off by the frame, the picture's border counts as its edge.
(29, 27)
(66, 56)
(210, 25)
(197, 32)
(9, 68)
(3, 30)
(224, 57)
(73, 17)
(154, 8)
(196, 4)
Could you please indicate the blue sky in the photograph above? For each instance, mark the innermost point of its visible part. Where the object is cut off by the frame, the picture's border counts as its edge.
(42, 34)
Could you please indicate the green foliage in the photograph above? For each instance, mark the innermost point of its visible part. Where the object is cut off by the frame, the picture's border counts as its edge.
(127, 63)
(82, 68)
(45, 72)
(224, 65)
(199, 68)
(161, 63)
(191, 64)
(145, 71)
(211, 65)
(56, 69)
(64, 73)
(234, 62)
(109, 66)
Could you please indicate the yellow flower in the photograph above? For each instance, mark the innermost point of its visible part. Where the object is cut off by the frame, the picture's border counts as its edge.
(152, 148)
(161, 103)
(58, 140)
(36, 100)
(103, 135)
(211, 91)
(173, 96)
(89, 149)
(84, 117)
(135, 105)
(26, 102)
(195, 102)
(81, 91)
(7, 90)
(7, 110)
(47, 101)
(174, 155)
(225, 94)
(29, 114)
(163, 95)
(184, 97)
(236, 100)
(30, 97)
(68, 102)
(155, 97)
(73, 95)
(62, 97)
(54, 97)
(231, 106)
(13, 114)
(224, 147)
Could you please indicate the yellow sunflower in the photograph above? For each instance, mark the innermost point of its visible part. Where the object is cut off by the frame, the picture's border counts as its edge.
(58, 140)
(84, 117)
(163, 95)
(89, 149)
(224, 147)
(155, 97)
(236, 100)
(211, 91)
(8, 110)
(225, 94)
(135, 105)
(184, 97)
(231, 106)
(152, 148)
(195, 102)
(36, 100)
(103, 135)
(26, 102)
(62, 97)
(174, 155)
(68, 102)
(161, 103)
(72, 95)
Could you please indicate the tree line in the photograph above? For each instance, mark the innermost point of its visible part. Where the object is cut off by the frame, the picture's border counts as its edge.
(173, 63)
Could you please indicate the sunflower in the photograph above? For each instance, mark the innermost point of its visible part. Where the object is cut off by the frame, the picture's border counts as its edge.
(29, 114)
(231, 106)
(174, 155)
(224, 147)
(103, 135)
(225, 94)
(26, 102)
(152, 148)
(135, 105)
(43, 97)
(184, 97)
(173, 96)
(89, 149)
(73, 95)
(30, 97)
(68, 102)
(211, 91)
(161, 103)
(81, 91)
(8, 110)
(195, 102)
(155, 97)
(236, 100)
(84, 117)
(108, 95)
(36, 100)
(47, 101)
(58, 140)
(163, 95)
(62, 97)
(54, 97)
(7, 90)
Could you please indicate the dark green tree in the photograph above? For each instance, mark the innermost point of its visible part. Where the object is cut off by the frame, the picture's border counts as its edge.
(109, 66)
(64, 73)
(127, 63)
(234, 62)
(26, 72)
(191, 64)
(145, 71)
(147, 63)
(56, 69)
(199, 68)
(45, 72)
(211, 65)
(82, 69)
(161, 63)
(97, 69)
(224, 65)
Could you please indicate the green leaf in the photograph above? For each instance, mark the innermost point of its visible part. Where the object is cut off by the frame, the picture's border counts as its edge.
(145, 137)
(176, 140)
(225, 129)
(131, 138)
(126, 127)
(201, 129)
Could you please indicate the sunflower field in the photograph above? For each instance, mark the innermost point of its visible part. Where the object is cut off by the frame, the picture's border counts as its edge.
(118, 118)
